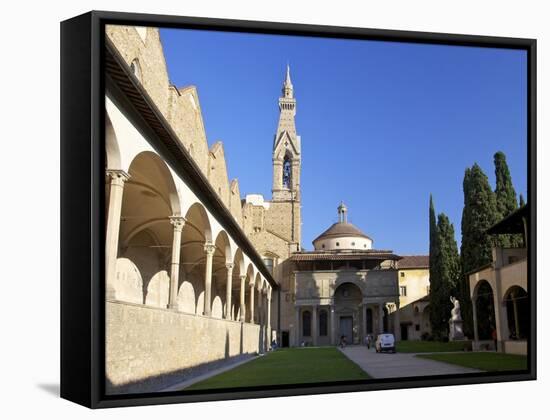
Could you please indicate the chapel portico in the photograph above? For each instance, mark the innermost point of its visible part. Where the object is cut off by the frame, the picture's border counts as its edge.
(343, 288)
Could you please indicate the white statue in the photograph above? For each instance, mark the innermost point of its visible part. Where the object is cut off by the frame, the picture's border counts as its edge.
(455, 312)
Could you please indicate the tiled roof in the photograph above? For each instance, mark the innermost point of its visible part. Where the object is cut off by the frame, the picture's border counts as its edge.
(371, 254)
(414, 261)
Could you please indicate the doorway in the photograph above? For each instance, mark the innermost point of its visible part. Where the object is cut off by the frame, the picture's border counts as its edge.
(284, 339)
(346, 328)
(404, 332)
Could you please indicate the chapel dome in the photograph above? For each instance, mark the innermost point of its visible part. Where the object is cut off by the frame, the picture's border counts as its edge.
(342, 235)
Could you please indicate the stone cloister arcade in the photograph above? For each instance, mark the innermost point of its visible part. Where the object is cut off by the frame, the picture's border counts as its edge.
(164, 249)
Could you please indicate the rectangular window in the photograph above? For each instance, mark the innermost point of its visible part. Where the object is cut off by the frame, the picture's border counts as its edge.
(402, 290)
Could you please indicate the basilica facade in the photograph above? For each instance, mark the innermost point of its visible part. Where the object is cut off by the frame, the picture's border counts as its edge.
(197, 277)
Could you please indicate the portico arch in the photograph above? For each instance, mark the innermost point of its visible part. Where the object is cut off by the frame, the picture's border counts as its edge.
(483, 299)
(195, 235)
(145, 236)
(517, 309)
(348, 298)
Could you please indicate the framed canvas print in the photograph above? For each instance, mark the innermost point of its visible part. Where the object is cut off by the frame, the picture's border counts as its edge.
(255, 209)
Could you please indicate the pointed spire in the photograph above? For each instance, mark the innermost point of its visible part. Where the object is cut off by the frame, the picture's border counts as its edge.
(288, 90)
(287, 79)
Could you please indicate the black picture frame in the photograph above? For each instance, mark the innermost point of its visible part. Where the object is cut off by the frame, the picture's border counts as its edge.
(83, 57)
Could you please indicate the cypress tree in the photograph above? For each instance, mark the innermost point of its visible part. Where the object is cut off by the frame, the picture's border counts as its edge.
(479, 213)
(506, 199)
(446, 268)
(436, 320)
(521, 200)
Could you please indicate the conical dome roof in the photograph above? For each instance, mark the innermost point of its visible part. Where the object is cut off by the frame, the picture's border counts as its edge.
(341, 229)
(342, 235)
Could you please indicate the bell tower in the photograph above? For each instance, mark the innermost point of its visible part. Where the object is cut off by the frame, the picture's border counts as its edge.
(286, 148)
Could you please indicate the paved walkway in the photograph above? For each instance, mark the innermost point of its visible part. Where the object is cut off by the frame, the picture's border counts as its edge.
(399, 365)
(187, 383)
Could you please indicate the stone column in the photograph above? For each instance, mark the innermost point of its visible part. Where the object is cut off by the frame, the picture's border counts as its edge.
(228, 290)
(117, 178)
(268, 321)
(251, 303)
(380, 318)
(332, 326)
(242, 301)
(474, 315)
(209, 249)
(178, 222)
(397, 323)
(314, 325)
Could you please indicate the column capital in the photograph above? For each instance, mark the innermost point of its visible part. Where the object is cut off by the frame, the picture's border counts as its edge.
(242, 277)
(117, 175)
(229, 266)
(209, 248)
(178, 222)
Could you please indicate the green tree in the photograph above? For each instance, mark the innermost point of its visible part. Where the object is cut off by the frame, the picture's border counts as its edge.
(521, 200)
(479, 213)
(447, 272)
(506, 199)
(435, 314)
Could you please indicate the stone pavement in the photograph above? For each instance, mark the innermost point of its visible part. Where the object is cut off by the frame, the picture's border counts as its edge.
(399, 365)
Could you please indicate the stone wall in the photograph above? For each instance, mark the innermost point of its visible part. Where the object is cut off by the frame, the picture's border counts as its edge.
(149, 349)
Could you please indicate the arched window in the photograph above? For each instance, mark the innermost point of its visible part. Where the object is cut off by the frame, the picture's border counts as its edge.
(287, 173)
(323, 323)
(136, 69)
(268, 261)
(306, 324)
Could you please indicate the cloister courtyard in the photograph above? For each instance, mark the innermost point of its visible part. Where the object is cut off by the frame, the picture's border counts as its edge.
(310, 365)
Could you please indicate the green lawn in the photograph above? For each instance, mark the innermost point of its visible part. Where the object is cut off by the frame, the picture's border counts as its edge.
(487, 361)
(430, 346)
(288, 366)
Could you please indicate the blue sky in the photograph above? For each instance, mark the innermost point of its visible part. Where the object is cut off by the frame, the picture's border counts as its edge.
(383, 124)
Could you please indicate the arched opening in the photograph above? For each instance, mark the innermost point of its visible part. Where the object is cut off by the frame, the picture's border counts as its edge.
(222, 257)
(112, 150)
(306, 324)
(135, 67)
(347, 307)
(287, 172)
(485, 310)
(195, 233)
(238, 270)
(145, 244)
(323, 323)
(369, 321)
(258, 303)
(517, 308)
(249, 287)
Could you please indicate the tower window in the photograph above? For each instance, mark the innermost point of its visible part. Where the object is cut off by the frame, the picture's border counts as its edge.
(136, 69)
(287, 173)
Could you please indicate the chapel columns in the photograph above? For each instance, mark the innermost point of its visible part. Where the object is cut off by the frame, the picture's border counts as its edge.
(229, 284)
(209, 249)
(117, 178)
(178, 222)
